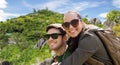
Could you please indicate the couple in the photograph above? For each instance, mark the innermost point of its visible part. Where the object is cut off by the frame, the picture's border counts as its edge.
(81, 45)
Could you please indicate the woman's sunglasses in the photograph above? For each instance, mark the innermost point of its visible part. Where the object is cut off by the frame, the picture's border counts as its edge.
(74, 23)
(53, 36)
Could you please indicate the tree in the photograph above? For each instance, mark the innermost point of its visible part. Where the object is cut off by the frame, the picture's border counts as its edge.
(85, 19)
(114, 16)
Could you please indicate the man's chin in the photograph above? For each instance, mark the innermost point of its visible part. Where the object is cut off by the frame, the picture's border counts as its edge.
(73, 36)
(52, 48)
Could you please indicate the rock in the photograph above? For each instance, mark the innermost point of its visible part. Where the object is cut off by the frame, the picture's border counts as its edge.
(95, 21)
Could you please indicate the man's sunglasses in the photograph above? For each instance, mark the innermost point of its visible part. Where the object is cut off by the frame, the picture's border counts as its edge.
(74, 23)
(53, 36)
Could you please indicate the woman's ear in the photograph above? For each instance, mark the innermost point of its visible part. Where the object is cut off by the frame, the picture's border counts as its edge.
(83, 23)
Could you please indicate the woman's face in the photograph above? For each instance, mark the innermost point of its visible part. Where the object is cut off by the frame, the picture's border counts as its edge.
(73, 31)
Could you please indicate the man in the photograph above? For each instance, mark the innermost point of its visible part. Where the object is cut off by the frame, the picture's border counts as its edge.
(82, 44)
(56, 38)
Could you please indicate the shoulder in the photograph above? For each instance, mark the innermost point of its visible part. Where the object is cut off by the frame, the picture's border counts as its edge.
(89, 35)
(86, 33)
(89, 40)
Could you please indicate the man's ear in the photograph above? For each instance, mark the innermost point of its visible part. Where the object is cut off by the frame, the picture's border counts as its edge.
(65, 37)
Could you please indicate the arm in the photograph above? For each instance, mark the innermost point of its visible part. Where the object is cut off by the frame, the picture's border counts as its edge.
(86, 48)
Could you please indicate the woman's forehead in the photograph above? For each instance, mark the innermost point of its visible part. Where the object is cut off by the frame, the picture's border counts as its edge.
(70, 16)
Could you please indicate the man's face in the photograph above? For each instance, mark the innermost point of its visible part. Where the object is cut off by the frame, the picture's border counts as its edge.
(54, 44)
(72, 30)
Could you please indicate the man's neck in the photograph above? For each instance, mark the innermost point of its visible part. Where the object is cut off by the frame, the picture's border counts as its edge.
(62, 50)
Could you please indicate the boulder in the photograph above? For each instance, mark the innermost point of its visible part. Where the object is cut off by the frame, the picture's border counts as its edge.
(95, 21)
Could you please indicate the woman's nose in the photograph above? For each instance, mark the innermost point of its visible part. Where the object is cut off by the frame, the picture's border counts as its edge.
(70, 27)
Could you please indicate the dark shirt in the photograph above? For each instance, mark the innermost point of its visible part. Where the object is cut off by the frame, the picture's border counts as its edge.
(64, 56)
(71, 45)
(88, 45)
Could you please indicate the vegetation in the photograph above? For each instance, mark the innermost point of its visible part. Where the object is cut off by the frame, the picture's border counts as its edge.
(114, 16)
(117, 29)
(18, 36)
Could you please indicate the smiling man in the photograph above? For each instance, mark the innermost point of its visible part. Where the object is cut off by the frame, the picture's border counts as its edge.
(57, 41)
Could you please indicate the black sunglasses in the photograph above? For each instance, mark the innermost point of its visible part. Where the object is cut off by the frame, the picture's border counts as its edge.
(53, 36)
(74, 23)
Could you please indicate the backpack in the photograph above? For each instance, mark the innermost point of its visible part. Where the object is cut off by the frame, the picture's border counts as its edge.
(111, 44)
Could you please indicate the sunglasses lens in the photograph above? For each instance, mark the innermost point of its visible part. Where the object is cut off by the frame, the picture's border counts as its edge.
(75, 22)
(66, 25)
(47, 36)
(53, 36)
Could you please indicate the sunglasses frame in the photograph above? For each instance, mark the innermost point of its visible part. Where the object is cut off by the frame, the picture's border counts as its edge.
(74, 23)
(53, 35)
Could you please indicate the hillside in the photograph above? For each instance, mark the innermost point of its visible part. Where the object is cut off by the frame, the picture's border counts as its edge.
(18, 37)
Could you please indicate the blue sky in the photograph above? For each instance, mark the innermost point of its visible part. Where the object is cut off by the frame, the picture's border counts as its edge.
(92, 8)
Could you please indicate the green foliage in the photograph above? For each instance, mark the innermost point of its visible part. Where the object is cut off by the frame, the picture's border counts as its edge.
(85, 19)
(116, 29)
(23, 34)
(12, 53)
(100, 25)
(3, 40)
(114, 16)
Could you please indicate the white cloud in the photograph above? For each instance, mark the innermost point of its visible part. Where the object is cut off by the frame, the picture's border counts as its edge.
(103, 15)
(52, 5)
(116, 3)
(3, 4)
(83, 5)
(4, 15)
(64, 5)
